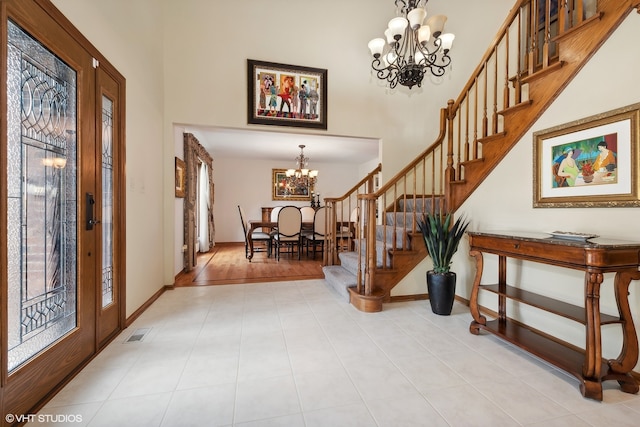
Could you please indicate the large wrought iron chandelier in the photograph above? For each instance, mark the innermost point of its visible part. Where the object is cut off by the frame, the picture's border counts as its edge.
(301, 177)
(412, 47)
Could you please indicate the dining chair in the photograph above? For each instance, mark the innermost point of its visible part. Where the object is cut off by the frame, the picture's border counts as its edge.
(307, 220)
(274, 218)
(317, 235)
(256, 236)
(274, 213)
(289, 232)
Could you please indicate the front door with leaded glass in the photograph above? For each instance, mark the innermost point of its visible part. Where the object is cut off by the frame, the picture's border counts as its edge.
(60, 292)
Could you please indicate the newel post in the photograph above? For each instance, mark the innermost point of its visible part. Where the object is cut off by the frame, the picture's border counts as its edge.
(450, 173)
(330, 252)
(369, 228)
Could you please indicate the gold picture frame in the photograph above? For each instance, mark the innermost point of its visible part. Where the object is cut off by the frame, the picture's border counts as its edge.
(180, 180)
(591, 162)
(281, 191)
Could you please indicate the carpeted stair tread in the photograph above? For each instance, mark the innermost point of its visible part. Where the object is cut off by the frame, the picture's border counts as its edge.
(390, 231)
(339, 280)
(402, 219)
(349, 261)
(419, 204)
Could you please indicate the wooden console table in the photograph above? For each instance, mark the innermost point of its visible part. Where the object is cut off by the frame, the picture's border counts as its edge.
(595, 257)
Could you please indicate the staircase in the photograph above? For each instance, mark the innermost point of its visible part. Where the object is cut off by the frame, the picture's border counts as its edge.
(397, 231)
(533, 58)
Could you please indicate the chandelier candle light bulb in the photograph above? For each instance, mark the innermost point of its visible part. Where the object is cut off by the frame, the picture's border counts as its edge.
(416, 17)
(409, 54)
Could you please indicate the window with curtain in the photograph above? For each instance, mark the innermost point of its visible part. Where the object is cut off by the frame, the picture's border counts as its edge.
(203, 208)
(194, 154)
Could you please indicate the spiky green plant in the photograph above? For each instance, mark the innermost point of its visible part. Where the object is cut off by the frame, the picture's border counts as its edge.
(441, 239)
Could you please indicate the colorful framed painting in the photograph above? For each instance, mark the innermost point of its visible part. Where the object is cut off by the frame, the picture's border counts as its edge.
(281, 190)
(180, 177)
(592, 162)
(286, 95)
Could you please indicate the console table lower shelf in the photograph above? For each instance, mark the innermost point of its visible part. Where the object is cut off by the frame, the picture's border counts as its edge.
(621, 258)
(566, 358)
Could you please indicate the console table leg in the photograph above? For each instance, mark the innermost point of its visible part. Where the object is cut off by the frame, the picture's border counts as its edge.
(475, 327)
(478, 319)
(502, 288)
(629, 354)
(591, 389)
(593, 351)
(628, 384)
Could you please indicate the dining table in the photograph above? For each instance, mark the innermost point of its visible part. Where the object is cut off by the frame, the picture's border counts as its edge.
(259, 223)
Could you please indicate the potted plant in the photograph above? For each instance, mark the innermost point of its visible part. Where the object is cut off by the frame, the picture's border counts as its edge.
(587, 172)
(441, 239)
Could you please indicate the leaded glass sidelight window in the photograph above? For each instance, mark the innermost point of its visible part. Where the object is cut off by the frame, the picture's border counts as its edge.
(41, 197)
(107, 201)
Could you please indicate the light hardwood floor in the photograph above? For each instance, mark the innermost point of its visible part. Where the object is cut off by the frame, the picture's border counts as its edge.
(226, 264)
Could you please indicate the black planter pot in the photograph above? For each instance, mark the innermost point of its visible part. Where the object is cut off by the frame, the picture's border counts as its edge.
(442, 291)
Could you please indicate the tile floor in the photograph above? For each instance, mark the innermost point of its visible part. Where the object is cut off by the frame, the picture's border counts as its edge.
(292, 354)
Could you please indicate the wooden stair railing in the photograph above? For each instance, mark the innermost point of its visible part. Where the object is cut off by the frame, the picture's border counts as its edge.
(341, 232)
(421, 185)
(531, 64)
(534, 56)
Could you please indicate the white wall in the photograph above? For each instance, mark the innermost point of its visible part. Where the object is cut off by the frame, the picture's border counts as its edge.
(126, 33)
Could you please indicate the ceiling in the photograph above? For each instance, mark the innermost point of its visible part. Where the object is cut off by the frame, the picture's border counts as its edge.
(283, 146)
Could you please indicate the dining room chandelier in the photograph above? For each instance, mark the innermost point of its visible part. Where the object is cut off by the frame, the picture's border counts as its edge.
(412, 46)
(301, 176)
